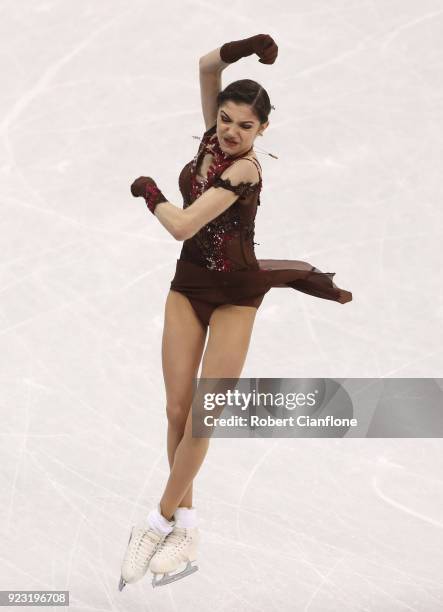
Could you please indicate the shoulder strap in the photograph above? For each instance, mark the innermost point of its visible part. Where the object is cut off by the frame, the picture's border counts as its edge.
(254, 162)
(258, 167)
(242, 189)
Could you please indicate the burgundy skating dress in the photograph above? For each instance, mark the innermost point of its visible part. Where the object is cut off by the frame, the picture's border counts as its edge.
(218, 264)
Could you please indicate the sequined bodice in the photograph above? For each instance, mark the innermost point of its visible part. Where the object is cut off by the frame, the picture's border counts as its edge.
(227, 242)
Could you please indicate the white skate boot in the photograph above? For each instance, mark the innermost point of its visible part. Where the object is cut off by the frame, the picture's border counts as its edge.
(177, 552)
(142, 545)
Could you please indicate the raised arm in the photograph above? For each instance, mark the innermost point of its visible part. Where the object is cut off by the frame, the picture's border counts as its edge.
(213, 63)
(183, 224)
(210, 69)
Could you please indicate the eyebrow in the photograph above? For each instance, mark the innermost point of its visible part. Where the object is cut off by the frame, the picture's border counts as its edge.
(240, 121)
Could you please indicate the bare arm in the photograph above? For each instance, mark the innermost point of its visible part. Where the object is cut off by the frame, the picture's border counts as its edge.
(210, 69)
(211, 66)
(183, 224)
(211, 62)
(180, 222)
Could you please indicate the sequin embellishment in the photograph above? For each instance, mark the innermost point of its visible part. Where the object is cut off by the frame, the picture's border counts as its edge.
(213, 239)
(153, 196)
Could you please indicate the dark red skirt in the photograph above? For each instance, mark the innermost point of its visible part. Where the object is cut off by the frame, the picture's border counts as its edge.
(219, 288)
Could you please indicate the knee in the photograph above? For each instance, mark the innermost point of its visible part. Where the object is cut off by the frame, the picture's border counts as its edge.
(177, 413)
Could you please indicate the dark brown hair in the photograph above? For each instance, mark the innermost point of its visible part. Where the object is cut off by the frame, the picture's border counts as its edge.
(246, 91)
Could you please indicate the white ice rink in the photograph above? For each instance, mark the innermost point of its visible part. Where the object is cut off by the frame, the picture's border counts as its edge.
(95, 94)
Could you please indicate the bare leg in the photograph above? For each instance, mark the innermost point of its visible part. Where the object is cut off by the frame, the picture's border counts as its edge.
(228, 343)
(173, 440)
(182, 349)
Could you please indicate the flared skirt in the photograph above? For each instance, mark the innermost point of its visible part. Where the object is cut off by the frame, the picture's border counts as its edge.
(218, 287)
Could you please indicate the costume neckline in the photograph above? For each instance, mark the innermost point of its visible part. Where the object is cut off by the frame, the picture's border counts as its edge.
(219, 156)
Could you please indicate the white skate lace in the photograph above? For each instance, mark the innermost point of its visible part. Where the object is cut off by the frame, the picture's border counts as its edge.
(174, 542)
(143, 550)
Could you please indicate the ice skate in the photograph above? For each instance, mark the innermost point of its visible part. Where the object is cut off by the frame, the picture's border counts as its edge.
(176, 557)
(142, 545)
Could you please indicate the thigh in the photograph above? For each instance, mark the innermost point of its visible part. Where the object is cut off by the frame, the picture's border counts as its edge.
(230, 330)
(182, 348)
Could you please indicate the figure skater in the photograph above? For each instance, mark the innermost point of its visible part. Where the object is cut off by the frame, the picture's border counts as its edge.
(218, 284)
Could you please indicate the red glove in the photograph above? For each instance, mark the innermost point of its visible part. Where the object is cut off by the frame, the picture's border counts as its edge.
(147, 188)
(261, 44)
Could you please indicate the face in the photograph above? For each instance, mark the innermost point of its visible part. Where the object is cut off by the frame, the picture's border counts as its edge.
(237, 122)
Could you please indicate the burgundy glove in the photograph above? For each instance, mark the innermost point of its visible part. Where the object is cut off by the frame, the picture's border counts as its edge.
(147, 188)
(261, 44)
(345, 296)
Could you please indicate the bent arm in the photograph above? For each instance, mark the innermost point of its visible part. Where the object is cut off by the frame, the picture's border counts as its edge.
(183, 224)
(171, 217)
(211, 62)
(211, 67)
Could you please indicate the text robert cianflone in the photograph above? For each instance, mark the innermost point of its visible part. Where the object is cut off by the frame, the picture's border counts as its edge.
(302, 420)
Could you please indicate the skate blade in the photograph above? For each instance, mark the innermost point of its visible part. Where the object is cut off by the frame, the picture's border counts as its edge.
(168, 578)
(121, 584)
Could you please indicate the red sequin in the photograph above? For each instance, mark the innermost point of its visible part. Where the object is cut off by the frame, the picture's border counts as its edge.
(213, 239)
(153, 196)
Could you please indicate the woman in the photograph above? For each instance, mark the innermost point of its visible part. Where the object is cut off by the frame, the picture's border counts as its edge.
(218, 283)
